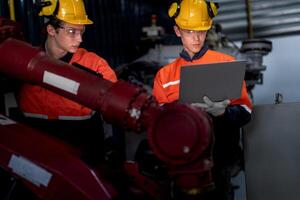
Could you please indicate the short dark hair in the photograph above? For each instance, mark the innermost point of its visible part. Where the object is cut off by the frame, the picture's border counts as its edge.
(55, 22)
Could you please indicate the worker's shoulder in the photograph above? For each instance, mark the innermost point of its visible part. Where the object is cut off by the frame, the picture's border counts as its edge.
(219, 56)
(85, 54)
(171, 66)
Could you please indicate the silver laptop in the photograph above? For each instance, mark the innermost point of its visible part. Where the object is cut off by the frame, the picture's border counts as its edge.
(218, 81)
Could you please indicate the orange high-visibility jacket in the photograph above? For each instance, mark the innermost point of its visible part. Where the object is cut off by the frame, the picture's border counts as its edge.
(166, 82)
(35, 101)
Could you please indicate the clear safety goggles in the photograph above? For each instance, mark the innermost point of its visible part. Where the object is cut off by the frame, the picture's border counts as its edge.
(73, 32)
(191, 32)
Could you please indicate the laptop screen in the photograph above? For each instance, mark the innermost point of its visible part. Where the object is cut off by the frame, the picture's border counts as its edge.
(217, 81)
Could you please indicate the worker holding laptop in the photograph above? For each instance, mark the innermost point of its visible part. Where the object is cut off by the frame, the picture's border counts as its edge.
(193, 18)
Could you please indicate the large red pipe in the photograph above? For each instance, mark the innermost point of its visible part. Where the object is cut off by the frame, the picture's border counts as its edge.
(115, 101)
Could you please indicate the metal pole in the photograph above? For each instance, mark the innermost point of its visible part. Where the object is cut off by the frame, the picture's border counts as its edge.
(249, 19)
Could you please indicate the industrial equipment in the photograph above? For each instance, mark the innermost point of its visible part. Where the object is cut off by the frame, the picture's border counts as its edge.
(251, 50)
(166, 48)
(9, 28)
(50, 169)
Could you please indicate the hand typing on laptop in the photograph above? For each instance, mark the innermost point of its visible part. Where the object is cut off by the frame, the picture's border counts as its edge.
(216, 108)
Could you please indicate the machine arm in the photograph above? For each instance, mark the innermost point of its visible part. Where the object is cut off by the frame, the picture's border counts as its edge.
(179, 135)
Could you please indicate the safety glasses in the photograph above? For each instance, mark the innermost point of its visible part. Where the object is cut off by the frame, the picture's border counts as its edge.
(191, 32)
(73, 32)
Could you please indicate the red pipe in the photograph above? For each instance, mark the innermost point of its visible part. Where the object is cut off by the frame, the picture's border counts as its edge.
(117, 102)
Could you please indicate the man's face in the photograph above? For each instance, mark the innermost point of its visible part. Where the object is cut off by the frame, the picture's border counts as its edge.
(68, 36)
(192, 41)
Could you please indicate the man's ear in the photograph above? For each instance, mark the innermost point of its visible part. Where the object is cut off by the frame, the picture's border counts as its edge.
(51, 30)
(176, 30)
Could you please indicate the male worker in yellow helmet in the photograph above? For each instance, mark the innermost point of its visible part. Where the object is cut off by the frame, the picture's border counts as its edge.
(193, 18)
(53, 113)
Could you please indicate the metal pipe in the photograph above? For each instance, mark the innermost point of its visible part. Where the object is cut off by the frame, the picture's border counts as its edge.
(249, 19)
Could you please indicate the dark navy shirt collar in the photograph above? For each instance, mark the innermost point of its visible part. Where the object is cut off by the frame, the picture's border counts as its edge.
(67, 58)
(198, 55)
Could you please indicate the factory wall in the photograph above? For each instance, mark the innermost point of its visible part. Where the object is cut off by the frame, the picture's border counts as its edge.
(283, 72)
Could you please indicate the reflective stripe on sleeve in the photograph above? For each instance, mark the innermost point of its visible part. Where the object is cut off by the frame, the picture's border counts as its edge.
(246, 108)
(171, 83)
(41, 116)
(74, 117)
(34, 115)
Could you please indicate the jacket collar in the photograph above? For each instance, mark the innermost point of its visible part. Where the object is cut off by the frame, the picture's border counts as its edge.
(198, 55)
(67, 58)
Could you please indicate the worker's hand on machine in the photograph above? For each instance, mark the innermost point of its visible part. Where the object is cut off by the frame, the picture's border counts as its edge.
(216, 108)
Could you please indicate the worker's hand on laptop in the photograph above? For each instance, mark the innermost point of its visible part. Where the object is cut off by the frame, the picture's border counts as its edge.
(215, 108)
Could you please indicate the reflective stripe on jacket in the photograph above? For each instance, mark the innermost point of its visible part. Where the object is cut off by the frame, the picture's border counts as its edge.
(167, 80)
(35, 101)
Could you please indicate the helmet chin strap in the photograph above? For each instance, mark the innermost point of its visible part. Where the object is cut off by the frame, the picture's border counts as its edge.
(48, 8)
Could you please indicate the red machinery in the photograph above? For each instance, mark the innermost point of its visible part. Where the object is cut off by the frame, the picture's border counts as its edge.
(9, 28)
(179, 135)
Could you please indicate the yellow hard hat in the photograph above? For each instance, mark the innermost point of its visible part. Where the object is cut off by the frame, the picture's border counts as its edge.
(71, 11)
(193, 14)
